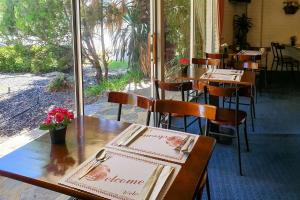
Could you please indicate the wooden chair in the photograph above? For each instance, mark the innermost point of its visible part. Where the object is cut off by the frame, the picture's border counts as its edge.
(229, 117)
(207, 63)
(265, 54)
(218, 56)
(188, 109)
(287, 61)
(214, 63)
(183, 87)
(123, 98)
(275, 55)
(200, 62)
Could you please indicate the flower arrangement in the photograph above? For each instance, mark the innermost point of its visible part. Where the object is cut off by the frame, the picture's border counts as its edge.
(57, 118)
(176, 65)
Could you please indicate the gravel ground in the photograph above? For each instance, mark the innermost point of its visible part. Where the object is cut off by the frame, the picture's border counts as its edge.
(24, 99)
(24, 107)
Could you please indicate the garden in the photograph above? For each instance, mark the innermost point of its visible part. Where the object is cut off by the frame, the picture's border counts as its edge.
(36, 58)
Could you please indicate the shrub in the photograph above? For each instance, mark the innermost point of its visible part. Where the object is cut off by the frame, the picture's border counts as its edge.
(60, 83)
(35, 59)
(115, 84)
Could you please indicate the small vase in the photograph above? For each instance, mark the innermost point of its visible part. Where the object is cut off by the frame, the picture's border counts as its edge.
(184, 70)
(58, 136)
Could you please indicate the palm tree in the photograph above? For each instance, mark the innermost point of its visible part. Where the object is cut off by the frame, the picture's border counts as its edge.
(129, 25)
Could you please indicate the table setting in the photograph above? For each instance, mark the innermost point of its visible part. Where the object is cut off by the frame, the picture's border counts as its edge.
(128, 167)
(223, 74)
(123, 176)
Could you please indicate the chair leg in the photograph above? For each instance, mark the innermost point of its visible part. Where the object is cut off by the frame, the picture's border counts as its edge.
(239, 149)
(159, 120)
(200, 126)
(148, 118)
(207, 188)
(246, 135)
(251, 114)
(223, 102)
(185, 123)
(253, 107)
(255, 92)
(169, 121)
(272, 64)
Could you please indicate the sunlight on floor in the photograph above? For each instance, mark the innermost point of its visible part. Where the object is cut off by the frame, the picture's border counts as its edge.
(138, 86)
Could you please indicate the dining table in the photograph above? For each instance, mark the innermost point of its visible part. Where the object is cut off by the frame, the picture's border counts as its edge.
(194, 73)
(43, 164)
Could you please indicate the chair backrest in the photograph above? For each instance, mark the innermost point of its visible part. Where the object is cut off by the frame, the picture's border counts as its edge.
(244, 58)
(185, 108)
(182, 87)
(220, 91)
(279, 48)
(214, 63)
(200, 62)
(123, 98)
(274, 49)
(214, 56)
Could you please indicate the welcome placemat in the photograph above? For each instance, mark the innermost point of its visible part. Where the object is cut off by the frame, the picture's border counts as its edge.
(158, 143)
(123, 176)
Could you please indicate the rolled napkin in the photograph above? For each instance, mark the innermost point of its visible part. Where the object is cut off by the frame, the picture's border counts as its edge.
(134, 136)
(128, 134)
(156, 182)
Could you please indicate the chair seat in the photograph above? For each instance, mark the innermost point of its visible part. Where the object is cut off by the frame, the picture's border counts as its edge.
(226, 116)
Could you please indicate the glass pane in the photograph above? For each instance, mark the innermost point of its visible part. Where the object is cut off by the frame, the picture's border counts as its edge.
(199, 35)
(36, 63)
(115, 52)
(177, 32)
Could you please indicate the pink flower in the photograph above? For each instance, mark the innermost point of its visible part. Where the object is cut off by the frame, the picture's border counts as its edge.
(70, 115)
(48, 120)
(59, 117)
(184, 61)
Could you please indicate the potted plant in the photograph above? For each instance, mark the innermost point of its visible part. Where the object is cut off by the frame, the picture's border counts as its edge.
(242, 25)
(184, 64)
(290, 7)
(56, 122)
(175, 66)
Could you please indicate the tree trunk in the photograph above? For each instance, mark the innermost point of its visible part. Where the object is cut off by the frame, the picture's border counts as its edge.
(104, 61)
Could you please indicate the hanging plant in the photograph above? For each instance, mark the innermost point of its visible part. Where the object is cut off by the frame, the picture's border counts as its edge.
(290, 7)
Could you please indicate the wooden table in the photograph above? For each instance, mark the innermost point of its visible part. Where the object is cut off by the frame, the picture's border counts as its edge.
(42, 164)
(195, 73)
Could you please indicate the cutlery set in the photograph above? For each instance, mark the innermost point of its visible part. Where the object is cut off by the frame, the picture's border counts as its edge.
(186, 144)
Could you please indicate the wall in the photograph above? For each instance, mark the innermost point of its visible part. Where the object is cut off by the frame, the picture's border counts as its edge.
(270, 23)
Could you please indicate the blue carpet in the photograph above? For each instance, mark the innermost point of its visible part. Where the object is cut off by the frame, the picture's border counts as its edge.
(271, 170)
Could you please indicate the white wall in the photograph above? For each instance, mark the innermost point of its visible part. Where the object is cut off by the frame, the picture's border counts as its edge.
(270, 23)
